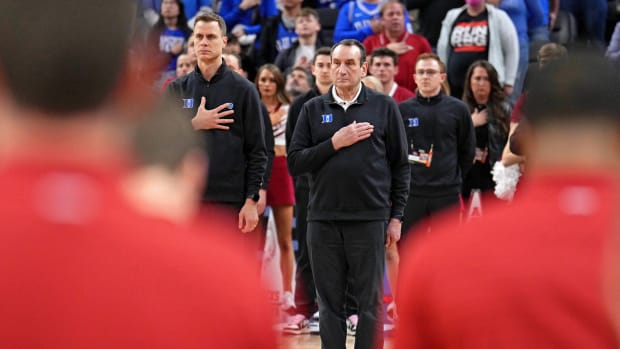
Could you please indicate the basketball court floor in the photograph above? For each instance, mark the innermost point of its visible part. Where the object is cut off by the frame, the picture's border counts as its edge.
(311, 341)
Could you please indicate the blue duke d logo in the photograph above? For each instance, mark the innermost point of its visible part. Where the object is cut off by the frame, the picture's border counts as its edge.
(327, 118)
(188, 103)
(414, 122)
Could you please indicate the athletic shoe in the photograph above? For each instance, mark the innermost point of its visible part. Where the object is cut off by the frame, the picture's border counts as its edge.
(313, 325)
(352, 325)
(297, 324)
(287, 301)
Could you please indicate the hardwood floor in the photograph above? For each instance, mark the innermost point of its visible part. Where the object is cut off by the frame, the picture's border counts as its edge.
(308, 341)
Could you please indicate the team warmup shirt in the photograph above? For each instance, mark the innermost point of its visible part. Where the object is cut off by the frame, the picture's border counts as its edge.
(368, 180)
(237, 156)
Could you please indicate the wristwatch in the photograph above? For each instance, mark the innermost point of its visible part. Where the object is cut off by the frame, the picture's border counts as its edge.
(255, 197)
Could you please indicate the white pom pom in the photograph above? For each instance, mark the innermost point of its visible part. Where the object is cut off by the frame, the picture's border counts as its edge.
(506, 179)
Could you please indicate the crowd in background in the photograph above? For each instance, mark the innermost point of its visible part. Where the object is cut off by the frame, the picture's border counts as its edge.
(486, 55)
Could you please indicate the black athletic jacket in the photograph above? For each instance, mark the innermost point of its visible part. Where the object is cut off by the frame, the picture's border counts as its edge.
(301, 182)
(368, 180)
(445, 122)
(237, 157)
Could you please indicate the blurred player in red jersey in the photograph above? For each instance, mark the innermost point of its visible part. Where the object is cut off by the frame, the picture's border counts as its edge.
(530, 275)
(80, 267)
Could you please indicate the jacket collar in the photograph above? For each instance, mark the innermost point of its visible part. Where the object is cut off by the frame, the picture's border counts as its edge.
(429, 100)
(361, 98)
(218, 74)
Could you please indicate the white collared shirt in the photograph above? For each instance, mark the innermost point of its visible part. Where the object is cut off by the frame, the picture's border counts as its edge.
(346, 104)
(393, 90)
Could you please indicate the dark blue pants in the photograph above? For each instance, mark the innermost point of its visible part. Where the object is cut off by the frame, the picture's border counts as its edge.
(353, 252)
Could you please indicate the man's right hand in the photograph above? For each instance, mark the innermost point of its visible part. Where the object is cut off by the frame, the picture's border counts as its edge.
(209, 119)
(376, 25)
(399, 47)
(351, 134)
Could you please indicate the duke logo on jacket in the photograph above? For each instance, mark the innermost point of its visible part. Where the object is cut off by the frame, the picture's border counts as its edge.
(188, 103)
(414, 122)
(327, 118)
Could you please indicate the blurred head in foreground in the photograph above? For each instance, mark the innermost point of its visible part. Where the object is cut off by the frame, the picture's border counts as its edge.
(480, 284)
(85, 269)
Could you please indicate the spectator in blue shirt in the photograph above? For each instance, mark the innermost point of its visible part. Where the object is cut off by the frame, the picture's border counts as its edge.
(359, 19)
(247, 14)
(151, 9)
(171, 31)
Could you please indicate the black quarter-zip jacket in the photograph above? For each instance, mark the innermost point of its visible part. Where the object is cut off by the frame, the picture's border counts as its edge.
(238, 156)
(444, 122)
(368, 180)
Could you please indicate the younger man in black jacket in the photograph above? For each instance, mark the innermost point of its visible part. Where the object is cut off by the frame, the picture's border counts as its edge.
(441, 141)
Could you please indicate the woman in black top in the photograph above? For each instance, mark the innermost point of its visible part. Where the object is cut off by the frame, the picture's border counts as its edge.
(490, 113)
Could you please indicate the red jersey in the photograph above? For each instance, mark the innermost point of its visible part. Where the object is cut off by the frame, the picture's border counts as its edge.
(528, 275)
(400, 93)
(81, 269)
(406, 61)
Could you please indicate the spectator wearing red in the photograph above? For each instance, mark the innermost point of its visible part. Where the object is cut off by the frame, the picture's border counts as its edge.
(384, 66)
(530, 275)
(82, 268)
(395, 37)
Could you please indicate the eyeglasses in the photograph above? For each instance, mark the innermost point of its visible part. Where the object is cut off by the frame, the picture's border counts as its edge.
(429, 72)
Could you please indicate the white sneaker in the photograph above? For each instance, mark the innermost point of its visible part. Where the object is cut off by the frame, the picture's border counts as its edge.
(297, 324)
(287, 301)
(313, 325)
(352, 325)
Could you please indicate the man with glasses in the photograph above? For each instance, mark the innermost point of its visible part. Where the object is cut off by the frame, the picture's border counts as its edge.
(441, 141)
